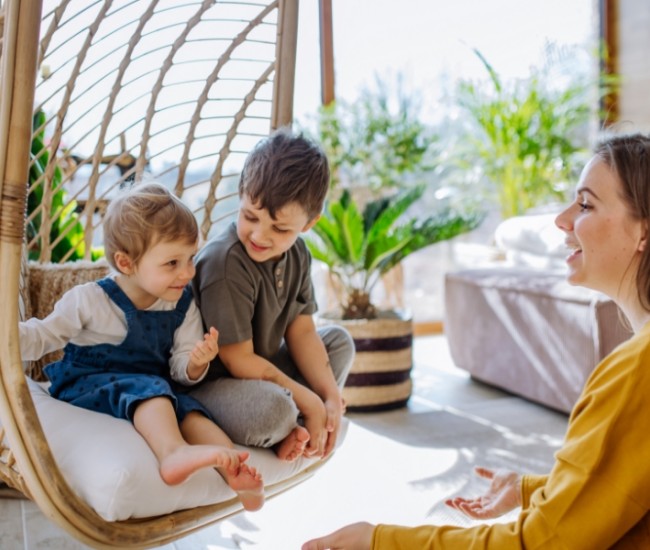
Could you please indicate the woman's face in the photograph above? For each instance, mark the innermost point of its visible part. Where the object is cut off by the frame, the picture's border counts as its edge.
(604, 239)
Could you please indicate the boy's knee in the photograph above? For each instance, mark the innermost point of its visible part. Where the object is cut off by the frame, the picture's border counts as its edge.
(279, 403)
(277, 415)
(337, 338)
(340, 349)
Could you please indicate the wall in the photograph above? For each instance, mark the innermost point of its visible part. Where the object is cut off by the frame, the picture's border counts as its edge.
(633, 63)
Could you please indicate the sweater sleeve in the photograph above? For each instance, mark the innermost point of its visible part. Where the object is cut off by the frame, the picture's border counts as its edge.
(529, 484)
(602, 467)
(67, 320)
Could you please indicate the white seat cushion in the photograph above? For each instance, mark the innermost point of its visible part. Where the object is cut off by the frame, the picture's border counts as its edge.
(110, 466)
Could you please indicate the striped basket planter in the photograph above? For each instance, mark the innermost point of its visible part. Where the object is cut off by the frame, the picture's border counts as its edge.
(380, 378)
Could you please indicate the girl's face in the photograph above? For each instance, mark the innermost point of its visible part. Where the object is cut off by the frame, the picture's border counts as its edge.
(604, 239)
(162, 273)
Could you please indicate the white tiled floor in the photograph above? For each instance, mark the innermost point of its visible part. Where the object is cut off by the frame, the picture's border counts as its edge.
(418, 454)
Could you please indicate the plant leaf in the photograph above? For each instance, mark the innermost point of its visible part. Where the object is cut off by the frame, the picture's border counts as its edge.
(387, 217)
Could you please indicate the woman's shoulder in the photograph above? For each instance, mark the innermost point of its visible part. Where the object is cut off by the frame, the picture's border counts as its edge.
(612, 403)
(627, 365)
(634, 350)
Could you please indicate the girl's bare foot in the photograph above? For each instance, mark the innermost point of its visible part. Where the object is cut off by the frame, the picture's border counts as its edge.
(187, 459)
(293, 446)
(247, 483)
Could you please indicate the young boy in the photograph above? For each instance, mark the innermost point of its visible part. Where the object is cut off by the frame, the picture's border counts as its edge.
(278, 379)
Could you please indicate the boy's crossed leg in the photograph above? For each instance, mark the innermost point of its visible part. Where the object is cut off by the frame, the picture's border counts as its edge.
(293, 446)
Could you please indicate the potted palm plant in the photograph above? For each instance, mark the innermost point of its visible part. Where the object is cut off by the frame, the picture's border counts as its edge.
(358, 247)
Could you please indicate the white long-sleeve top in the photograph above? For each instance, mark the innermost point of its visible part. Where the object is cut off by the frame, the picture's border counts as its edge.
(86, 316)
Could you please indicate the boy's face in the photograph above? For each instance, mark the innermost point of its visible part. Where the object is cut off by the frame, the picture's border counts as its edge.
(266, 238)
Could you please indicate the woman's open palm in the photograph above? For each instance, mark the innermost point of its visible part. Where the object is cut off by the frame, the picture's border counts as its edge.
(503, 495)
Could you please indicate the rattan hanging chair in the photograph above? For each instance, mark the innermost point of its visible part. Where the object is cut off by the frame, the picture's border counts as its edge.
(113, 90)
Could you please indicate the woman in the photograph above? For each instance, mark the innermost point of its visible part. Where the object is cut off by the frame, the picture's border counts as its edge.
(598, 492)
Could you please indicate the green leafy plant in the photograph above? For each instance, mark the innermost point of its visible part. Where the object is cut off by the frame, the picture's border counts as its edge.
(66, 229)
(531, 136)
(377, 142)
(358, 248)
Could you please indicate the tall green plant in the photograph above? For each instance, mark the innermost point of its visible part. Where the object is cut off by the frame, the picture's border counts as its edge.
(376, 142)
(66, 225)
(531, 136)
(359, 248)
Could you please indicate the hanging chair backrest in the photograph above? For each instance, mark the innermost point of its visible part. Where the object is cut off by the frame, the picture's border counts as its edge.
(175, 91)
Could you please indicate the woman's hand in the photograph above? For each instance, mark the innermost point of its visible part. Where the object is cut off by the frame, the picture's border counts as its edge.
(357, 536)
(503, 495)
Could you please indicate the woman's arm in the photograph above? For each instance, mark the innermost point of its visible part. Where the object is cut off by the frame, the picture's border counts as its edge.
(601, 467)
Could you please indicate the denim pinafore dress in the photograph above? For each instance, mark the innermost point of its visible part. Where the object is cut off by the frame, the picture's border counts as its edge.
(114, 379)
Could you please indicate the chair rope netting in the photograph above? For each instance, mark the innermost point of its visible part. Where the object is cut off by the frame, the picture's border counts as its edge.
(112, 91)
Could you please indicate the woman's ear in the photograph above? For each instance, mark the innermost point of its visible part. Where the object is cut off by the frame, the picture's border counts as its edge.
(124, 263)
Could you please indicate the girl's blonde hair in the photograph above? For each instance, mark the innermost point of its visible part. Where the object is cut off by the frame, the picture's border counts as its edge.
(142, 217)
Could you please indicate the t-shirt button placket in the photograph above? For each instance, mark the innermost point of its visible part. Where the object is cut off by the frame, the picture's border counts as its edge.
(278, 282)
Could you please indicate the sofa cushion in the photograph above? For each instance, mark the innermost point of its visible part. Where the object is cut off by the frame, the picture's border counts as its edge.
(532, 241)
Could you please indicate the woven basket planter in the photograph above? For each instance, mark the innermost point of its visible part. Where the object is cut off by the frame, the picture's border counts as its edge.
(380, 378)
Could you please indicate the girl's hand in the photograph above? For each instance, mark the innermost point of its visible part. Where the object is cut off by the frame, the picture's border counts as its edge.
(206, 350)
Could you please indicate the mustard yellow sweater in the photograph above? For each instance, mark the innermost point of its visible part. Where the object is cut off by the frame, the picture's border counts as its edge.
(598, 493)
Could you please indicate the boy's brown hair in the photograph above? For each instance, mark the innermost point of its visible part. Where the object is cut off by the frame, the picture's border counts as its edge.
(286, 168)
(143, 216)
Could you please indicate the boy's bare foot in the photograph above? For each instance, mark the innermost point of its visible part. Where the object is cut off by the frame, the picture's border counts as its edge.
(293, 446)
(184, 461)
(247, 482)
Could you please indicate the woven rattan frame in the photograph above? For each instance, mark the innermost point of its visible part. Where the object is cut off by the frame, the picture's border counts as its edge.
(178, 91)
(26, 462)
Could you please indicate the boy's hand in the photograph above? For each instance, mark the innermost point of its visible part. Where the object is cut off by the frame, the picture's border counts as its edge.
(334, 409)
(316, 422)
(205, 351)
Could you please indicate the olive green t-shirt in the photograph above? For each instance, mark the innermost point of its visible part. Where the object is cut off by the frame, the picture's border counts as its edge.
(245, 300)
